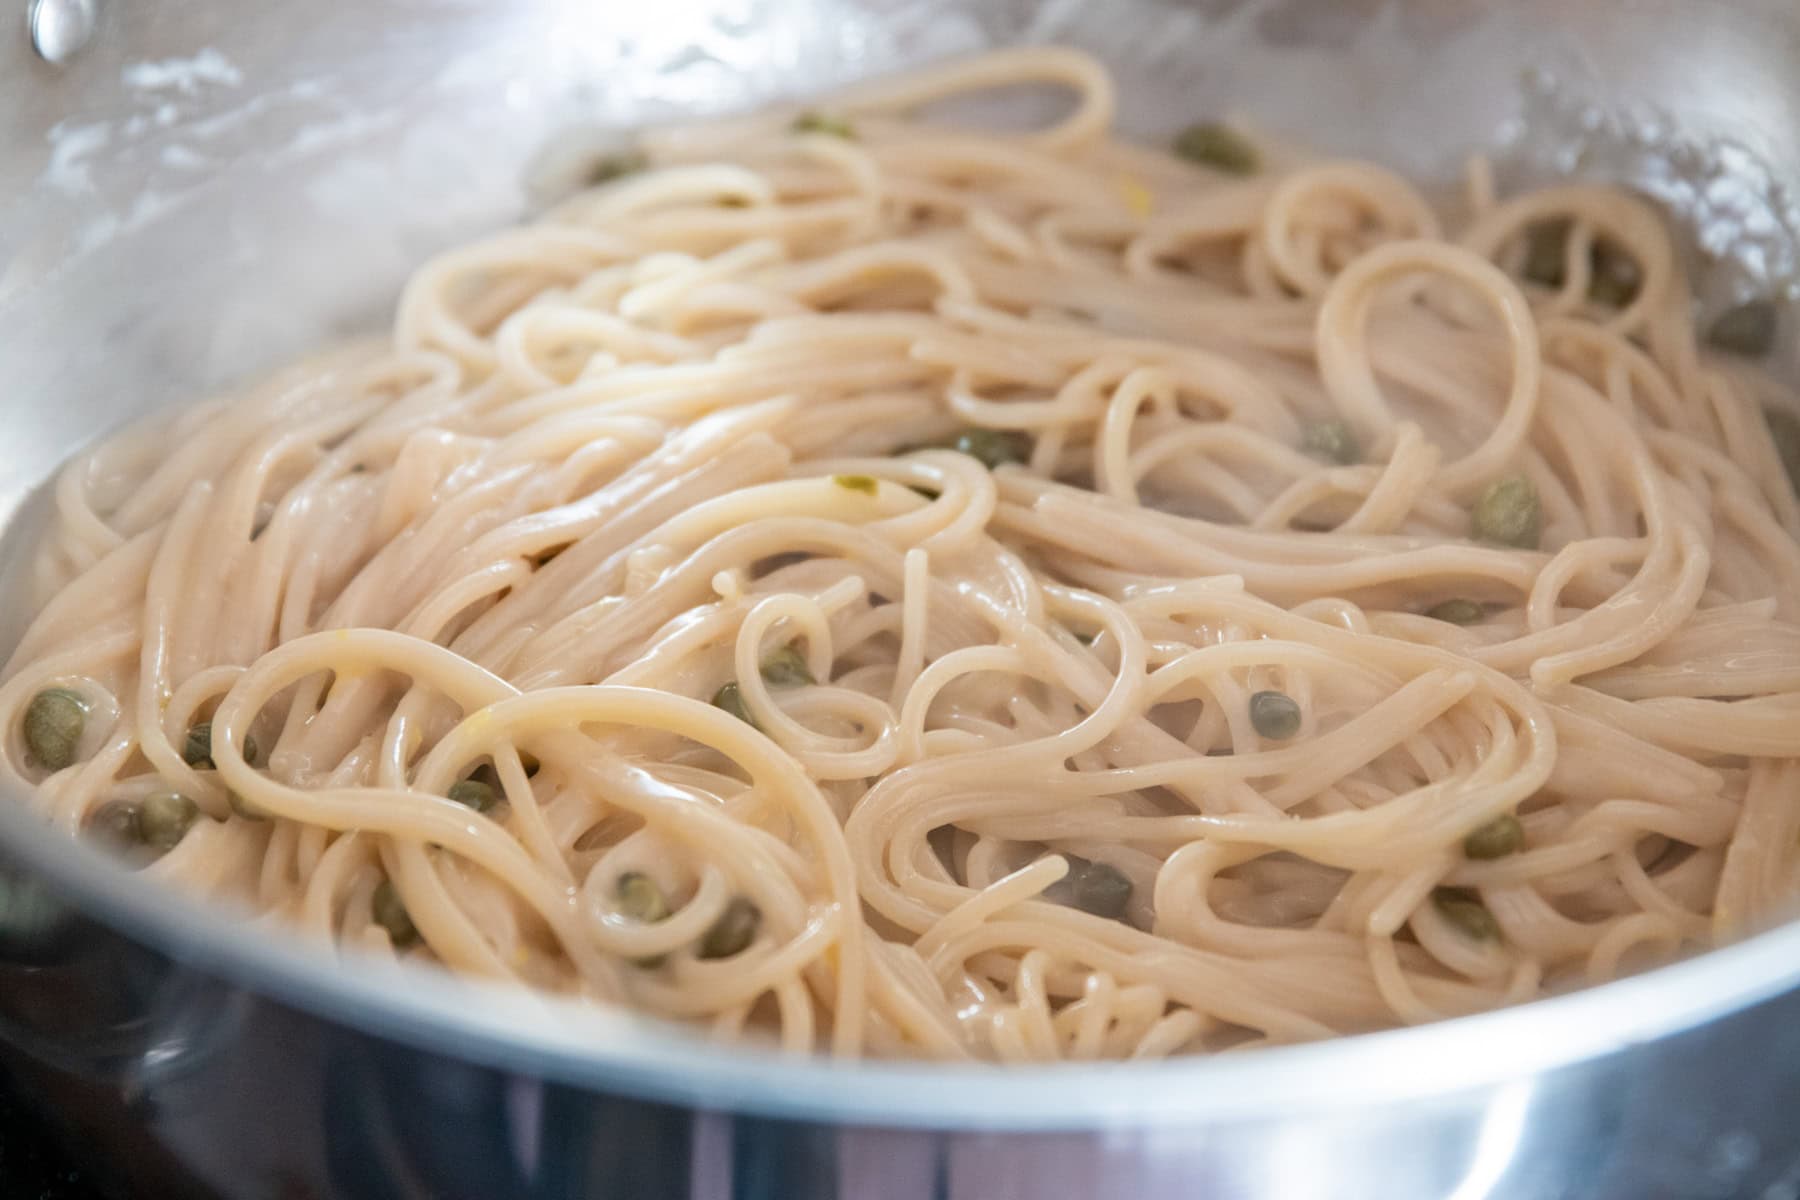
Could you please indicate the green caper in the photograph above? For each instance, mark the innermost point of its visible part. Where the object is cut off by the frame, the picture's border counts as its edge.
(53, 723)
(1496, 839)
(1464, 909)
(857, 483)
(1333, 441)
(731, 699)
(640, 898)
(118, 826)
(1784, 431)
(1093, 887)
(474, 793)
(165, 818)
(1217, 145)
(1508, 512)
(1457, 611)
(786, 668)
(1274, 715)
(196, 751)
(1546, 253)
(818, 122)
(733, 931)
(390, 913)
(616, 166)
(1747, 329)
(1615, 276)
(993, 447)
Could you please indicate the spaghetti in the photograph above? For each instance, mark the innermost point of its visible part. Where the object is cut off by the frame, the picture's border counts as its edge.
(904, 591)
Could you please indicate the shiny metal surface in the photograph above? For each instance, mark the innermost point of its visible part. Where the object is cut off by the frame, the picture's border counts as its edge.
(60, 28)
(208, 186)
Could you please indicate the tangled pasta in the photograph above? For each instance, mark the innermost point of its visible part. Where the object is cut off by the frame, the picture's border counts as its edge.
(906, 591)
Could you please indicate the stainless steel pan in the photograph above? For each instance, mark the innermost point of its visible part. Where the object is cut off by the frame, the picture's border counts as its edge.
(200, 188)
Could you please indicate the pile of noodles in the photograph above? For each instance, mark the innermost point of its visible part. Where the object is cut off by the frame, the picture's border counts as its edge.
(705, 413)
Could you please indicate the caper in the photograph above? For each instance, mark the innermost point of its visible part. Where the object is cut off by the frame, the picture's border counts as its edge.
(1333, 441)
(165, 819)
(390, 913)
(53, 723)
(1747, 329)
(1496, 839)
(616, 166)
(993, 447)
(1217, 145)
(1464, 909)
(1093, 887)
(733, 931)
(197, 750)
(1508, 512)
(1457, 611)
(1274, 715)
(731, 699)
(1784, 431)
(1615, 276)
(474, 793)
(1546, 253)
(640, 898)
(118, 826)
(786, 668)
(818, 122)
(857, 483)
